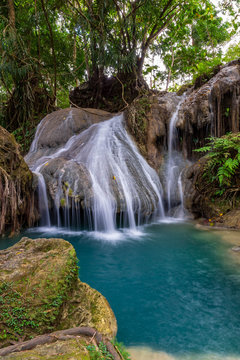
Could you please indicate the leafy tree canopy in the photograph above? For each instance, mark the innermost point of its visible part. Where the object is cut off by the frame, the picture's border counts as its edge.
(48, 46)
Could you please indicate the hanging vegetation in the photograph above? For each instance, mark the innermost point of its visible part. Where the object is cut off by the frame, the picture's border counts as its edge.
(16, 190)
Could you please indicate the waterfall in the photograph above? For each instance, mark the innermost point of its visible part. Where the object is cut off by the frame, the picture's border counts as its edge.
(43, 204)
(174, 166)
(125, 188)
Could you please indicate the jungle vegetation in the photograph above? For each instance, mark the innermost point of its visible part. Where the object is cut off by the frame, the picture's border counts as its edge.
(48, 47)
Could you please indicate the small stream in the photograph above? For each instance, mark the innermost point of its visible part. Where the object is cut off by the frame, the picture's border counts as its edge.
(173, 288)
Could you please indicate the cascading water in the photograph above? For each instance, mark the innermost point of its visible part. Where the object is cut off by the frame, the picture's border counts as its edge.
(174, 166)
(122, 182)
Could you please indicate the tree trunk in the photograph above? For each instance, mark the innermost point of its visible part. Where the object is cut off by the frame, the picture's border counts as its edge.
(37, 31)
(11, 14)
(53, 48)
(75, 56)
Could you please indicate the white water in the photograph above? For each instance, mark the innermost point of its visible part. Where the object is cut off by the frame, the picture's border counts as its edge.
(173, 168)
(122, 181)
(43, 204)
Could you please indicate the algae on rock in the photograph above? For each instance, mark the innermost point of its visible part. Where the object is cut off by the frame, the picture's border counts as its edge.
(73, 348)
(40, 292)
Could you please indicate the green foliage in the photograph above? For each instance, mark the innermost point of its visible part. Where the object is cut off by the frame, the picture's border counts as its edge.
(232, 53)
(78, 40)
(31, 310)
(223, 160)
(207, 68)
(191, 47)
(121, 348)
(99, 354)
(14, 312)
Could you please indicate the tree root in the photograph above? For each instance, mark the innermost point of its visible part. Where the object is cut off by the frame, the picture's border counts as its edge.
(61, 335)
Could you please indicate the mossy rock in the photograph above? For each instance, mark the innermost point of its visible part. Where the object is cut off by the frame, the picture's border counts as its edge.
(40, 292)
(64, 350)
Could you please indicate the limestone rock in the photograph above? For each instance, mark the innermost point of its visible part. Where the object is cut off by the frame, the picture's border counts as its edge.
(147, 121)
(16, 186)
(213, 109)
(58, 127)
(40, 292)
(66, 177)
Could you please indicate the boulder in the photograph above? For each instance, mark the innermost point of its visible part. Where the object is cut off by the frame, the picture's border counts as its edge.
(57, 128)
(17, 206)
(40, 292)
(67, 180)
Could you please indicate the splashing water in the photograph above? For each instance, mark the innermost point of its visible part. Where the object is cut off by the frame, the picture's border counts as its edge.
(122, 181)
(174, 166)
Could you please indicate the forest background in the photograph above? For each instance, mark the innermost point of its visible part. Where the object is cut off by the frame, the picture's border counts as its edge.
(108, 48)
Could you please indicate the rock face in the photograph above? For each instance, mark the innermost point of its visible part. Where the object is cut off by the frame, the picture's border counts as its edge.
(16, 190)
(148, 120)
(40, 292)
(54, 134)
(64, 177)
(200, 201)
(213, 109)
(57, 128)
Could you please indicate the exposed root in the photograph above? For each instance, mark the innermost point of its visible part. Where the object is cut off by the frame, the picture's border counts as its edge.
(62, 335)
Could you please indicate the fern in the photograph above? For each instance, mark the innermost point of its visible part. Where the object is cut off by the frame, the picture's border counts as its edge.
(223, 156)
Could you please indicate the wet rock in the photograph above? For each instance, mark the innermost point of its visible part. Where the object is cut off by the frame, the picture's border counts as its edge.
(201, 201)
(67, 179)
(17, 205)
(58, 127)
(213, 109)
(40, 292)
(147, 121)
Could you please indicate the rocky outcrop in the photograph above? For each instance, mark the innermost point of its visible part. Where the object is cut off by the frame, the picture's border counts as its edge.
(65, 178)
(200, 199)
(213, 109)
(40, 292)
(16, 190)
(147, 121)
(57, 128)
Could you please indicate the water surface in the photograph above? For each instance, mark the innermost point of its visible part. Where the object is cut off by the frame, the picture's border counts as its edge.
(173, 288)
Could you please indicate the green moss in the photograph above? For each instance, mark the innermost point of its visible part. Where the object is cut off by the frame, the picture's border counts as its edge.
(32, 305)
(64, 350)
(138, 122)
(63, 202)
